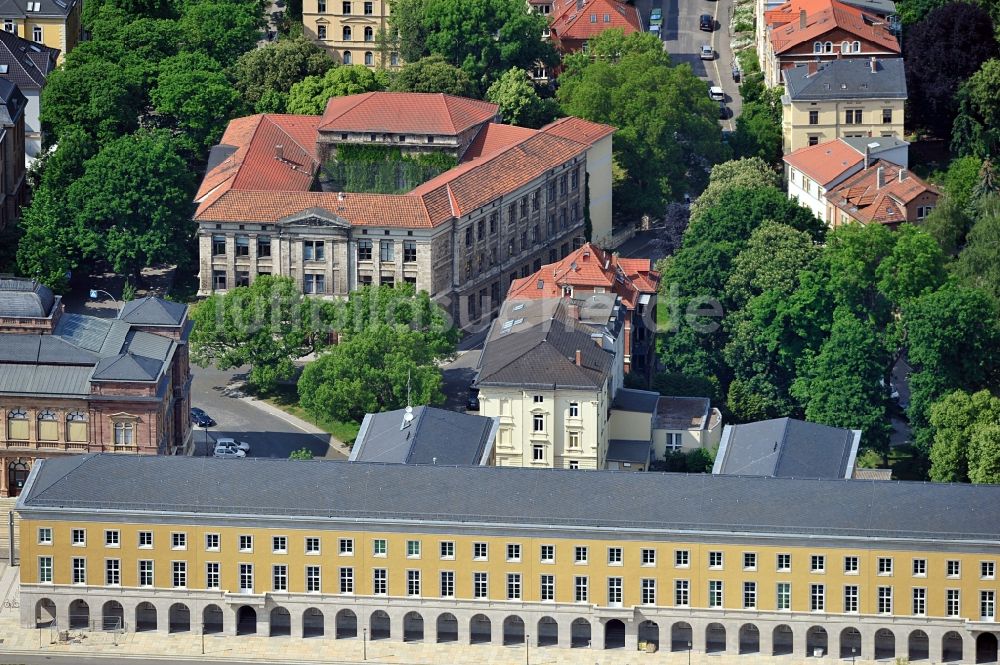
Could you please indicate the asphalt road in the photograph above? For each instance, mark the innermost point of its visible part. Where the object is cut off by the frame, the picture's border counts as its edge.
(268, 435)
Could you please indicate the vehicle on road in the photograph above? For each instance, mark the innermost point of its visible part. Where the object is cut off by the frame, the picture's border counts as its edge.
(225, 452)
(200, 418)
(717, 94)
(233, 443)
(654, 30)
(707, 52)
(656, 16)
(723, 111)
(706, 22)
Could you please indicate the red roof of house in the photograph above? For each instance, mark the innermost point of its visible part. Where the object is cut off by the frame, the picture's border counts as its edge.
(589, 266)
(576, 22)
(863, 199)
(578, 129)
(494, 137)
(405, 113)
(825, 17)
(824, 162)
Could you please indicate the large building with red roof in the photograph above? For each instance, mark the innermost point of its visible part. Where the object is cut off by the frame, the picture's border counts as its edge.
(514, 201)
(883, 193)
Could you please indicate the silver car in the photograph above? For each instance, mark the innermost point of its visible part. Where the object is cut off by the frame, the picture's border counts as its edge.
(226, 452)
(707, 52)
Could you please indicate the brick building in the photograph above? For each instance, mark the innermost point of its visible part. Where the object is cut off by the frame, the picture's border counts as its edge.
(71, 383)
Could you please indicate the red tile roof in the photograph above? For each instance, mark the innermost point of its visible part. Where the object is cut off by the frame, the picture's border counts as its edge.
(578, 129)
(494, 137)
(405, 113)
(825, 162)
(831, 15)
(400, 210)
(862, 198)
(575, 23)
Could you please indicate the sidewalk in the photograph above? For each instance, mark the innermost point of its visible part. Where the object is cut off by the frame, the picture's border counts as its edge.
(335, 444)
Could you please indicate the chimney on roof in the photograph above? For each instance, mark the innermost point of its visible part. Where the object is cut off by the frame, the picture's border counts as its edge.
(586, 254)
(874, 64)
(868, 155)
(279, 152)
(902, 175)
(811, 67)
(579, 358)
(879, 177)
(574, 311)
(802, 18)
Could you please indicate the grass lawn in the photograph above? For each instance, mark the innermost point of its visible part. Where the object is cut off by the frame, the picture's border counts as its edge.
(286, 398)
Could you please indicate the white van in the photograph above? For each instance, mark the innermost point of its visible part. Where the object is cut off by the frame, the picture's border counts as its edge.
(716, 93)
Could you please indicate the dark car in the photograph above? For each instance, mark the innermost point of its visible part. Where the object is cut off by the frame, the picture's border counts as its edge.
(472, 403)
(200, 418)
(723, 111)
(706, 22)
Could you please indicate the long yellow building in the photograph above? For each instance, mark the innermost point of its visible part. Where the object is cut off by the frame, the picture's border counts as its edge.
(54, 23)
(742, 565)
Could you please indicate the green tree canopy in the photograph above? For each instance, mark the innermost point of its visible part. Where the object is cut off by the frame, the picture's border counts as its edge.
(948, 224)
(519, 103)
(310, 95)
(301, 454)
(774, 256)
(984, 454)
(954, 417)
(978, 263)
(275, 68)
(372, 372)
(915, 266)
(977, 126)
(49, 247)
(758, 129)
(747, 172)
(221, 30)
(433, 74)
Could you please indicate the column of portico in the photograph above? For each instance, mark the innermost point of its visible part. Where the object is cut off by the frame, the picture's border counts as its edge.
(228, 627)
(699, 643)
(431, 628)
(230, 261)
(766, 640)
(565, 632)
(263, 621)
(732, 638)
(800, 642)
(597, 634)
(867, 643)
(631, 635)
(295, 616)
(496, 630)
(462, 634)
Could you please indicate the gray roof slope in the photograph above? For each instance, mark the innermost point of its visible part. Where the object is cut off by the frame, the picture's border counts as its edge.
(146, 344)
(153, 311)
(28, 64)
(44, 379)
(544, 498)
(848, 78)
(690, 413)
(628, 450)
(786, 448)
(47, 349)
(541, 349)
(13, 103)
(25, 298)
(641, 401)
(127, 367)
(882, 143)
(435, 436)
(18, 8)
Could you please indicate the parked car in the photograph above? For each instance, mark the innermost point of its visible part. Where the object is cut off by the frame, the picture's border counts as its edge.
(200, 418)
(706, 22)
(723, 111)
(225, 452)
(656, 16)
(472, 403)
(233, 443)
(707, 52)
(654, 30)
(716, 93)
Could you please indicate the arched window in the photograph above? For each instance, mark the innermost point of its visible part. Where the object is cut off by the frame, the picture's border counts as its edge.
(369, 34)
(828, 47)
(124, 432)
(857, 47)
(845, 47)
(76, 427)
(347, 57)
(17, 424)
(347, 33)
(48, 426)
(817, 47)
(369, 58)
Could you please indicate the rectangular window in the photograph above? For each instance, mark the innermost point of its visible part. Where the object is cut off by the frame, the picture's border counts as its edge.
(614, 591)
(648, 557)
(614, 556)
(279, 544)
(246, 577)
(513, 552)
(112, 572)
(313, 584)
(263, 246)
(749, 595)
(45, 570)
(884, 594)
(817, 563)
(78, 537)
(749, 561)
(480, 585)
(112, 538)
(380, 581)
(364, 250)
(813, 117)
(178, 541)
(513, 586)
(45, 535)
(212, 542)
(246, 543)
(648, 591)
(346, 7)
(784, 563)
(447, 584)
(715, 559)
(179, 574)
(279, 577)
(548, 587)
(920, 567)
(580, 587)
(784, 596)
(369, 8)
(953, 603)
(212, 575)
(954, 568)
(379, 547)
(413, 549)
(580, 554)
(145, 572)
(851, 565)
(538, 452)
(538, 423)
(314, 283)
(884, 565)
(79, 570)
(218, 245)
(387, 250)
(919, 602)
(817, 597)
(480, 551)
(886, 116)
(987, 570)
(851, 599)
(548, 554)
(145, 539)
(682, 558)
(242, 245)
(574, 440)
(346, 547)
(409, 251)
(987, 605)
(715, 593)
(682, 593)
(447, 549)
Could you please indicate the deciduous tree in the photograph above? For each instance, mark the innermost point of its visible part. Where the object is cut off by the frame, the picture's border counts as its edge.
(221, 30)
(310, 95)
(953, 418)
(97, 96)
(519, 102)
(275, 68)
(433, 74)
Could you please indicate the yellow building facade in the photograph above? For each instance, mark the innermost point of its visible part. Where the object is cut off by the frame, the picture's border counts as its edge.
(54, 23)
(805, 123)
(354, 32)
(848, 588)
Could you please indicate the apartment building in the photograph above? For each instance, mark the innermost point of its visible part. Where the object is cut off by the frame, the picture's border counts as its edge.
(883, 193)
(353, 32)
(52, 23)
(514, 201)
(735, 565)
(27, 65)
(13, 183)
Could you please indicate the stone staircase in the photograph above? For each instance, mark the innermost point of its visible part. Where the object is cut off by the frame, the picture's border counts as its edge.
(7, 505)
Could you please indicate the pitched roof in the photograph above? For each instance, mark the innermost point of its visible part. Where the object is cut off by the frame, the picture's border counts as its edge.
(24, 63)
(433, 436)
(578, 129)
(494, 137)
(847, 78)
(390, 210)
(787, 448)
(633, 451)
(825, 162)
(153, 311)
(687, 413)
(576, 22)
(127, 367)
(12, 103)
(535, 343)
(639, 401)
(366, 494)
(19, 8)
(823, 16)
(20, 297)
(405, 113)
(862, 197)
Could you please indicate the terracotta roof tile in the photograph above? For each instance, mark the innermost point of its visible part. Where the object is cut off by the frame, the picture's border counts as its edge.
(494, 137)
(405, 113)
(824, 162)
(863, 199)
(575, 23)
(832, 15)
(579, 130)
(358, 209)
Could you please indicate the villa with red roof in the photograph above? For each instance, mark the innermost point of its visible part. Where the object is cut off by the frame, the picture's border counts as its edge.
(515, 200)
(883, 193)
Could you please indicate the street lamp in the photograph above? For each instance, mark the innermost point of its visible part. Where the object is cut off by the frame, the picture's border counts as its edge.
(854, 651)
(527, 641)
(93, 296)
(689, 652)
(364, 643)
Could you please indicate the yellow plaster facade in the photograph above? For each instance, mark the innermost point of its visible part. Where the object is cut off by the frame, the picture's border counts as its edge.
(805, 123)
(352, 31)
(55, 26)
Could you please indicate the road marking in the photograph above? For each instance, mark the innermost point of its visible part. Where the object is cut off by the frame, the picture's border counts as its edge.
(715, 61)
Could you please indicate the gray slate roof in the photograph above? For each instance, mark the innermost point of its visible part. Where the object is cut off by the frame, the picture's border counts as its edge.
(787, 448)
(434, 436)
(12, 103)
(19, 8)
(629, 450)
(683, 413)
(25, 298)
(536, 346)
(847, 78)
(878, 143)
(153, 311)
(640, 401)
(27, 64)
(727, 505)
(127, 367)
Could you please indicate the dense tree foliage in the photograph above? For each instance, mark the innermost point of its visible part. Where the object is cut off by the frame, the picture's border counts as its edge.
(433, 74)
(758, 129)
(954, 418)
(519, 102)
(265, 75)
(311, 94)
